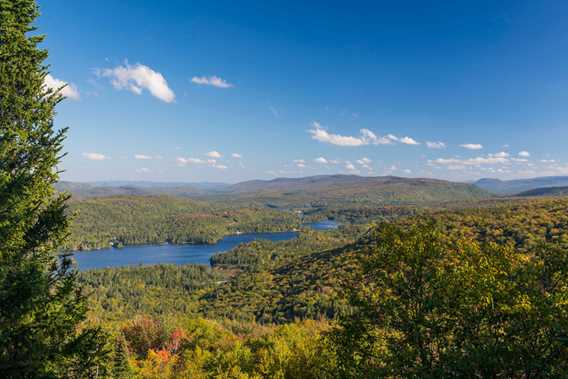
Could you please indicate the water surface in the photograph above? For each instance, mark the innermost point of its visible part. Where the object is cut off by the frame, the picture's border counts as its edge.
(168, 254)
(179, 254)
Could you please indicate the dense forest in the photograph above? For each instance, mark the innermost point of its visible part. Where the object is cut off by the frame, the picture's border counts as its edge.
(424, 278)
(509, 255)
(278, 205)
(131, 220)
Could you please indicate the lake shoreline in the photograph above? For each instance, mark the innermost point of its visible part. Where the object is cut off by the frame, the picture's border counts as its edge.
(312, 226)
(150, 254)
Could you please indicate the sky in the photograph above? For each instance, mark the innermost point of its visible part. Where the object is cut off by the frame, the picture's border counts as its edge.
(224, 91)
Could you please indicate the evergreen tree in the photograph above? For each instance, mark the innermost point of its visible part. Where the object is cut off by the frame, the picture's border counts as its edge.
(121, 367)
(41, 305)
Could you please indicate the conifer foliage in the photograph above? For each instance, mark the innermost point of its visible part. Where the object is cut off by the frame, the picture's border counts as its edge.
(41, 305)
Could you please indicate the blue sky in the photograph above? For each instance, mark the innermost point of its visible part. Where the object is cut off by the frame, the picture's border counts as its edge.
(220, 91)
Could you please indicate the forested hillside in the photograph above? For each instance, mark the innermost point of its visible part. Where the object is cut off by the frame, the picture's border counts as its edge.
(517, 186)
(130, 220)
(547, 191)
(347, 191)
(221, 312)
(277, 205)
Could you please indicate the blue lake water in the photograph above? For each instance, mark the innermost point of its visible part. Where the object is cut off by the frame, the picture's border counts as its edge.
(324, 225)
(178, 254)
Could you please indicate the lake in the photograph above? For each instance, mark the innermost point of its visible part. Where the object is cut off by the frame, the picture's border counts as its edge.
(178, 254)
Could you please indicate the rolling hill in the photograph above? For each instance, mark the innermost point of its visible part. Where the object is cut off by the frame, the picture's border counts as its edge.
(135, 188)
(513, 187)
(326, 190)
(548, 191)
(311, 191)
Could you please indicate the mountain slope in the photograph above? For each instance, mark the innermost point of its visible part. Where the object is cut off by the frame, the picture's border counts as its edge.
(104, 189)
(549, 191)
(325, 190)
(512, 187)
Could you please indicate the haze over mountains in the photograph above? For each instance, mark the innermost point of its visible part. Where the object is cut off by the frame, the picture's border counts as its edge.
(294, 191)
(517, 186)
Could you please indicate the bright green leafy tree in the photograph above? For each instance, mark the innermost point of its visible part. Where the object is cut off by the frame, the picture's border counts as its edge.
(428, 305)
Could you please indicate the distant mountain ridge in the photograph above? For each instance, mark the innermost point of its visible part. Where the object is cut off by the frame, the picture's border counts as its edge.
(135, 188)
(548, 191)
(294, 192)
(516, 186)
(352, 189)
(325, 181)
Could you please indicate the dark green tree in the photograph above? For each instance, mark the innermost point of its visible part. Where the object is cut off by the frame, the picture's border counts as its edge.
(121, 367)
(41, 304)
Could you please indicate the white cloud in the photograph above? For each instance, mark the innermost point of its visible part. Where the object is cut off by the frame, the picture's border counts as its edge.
(236, 156)
(142, 170)
(213, 81)
(142, 157)
(472, 146)
(408, 141)
(435, 145)
(366, 137)
(501, 154)
(349, 166)
(138, 77)
(524, 154)
(490, 159)
(322, 135)
(365, 163)
(69, 91)
(300, 163)
(185, 161)
(182, 161)
(95, 156)
(321, 160)
(214, 154)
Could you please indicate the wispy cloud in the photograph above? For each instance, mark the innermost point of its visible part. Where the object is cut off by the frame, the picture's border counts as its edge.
(137, 78)
(472, 146)
(365, 163)
(300, 163)
(365, 137)
(321, 160)
(211, 162)
(435, 145)
(213, 81)
(322, 135)
(350, 167)
(524, 154)
(182, 161)
(236, 156)
(95, 156)
(69, 90)
(142, 157)
(500, 158)
(214, 154)
(408, 141)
